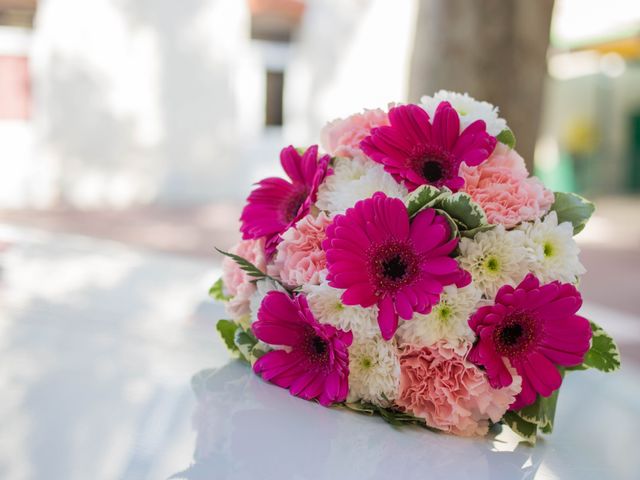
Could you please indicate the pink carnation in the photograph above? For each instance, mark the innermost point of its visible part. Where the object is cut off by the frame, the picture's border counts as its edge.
(342, 137)
(300, 259)
(232, 276)
(239, 306)
(451, 394)
(504, 190)
(236, 282)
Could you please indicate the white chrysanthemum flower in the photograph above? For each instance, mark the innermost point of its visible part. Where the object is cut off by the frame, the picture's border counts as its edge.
(326, 306)
(469, 109)
(374, 371)
(263, 287)
(353, 180)
(495, 258)
(554, 254)
(448, 319)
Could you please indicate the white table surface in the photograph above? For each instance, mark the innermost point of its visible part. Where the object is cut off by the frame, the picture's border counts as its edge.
(98, 345)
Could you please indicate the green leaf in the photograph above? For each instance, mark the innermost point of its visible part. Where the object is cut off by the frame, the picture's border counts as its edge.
(507, 137)
(217, 291)
(460, 210)
(227, 330)
(542, 412)
(573, 208)
(258, 350)
(474, 231)
(245, 265)
(421, 198)
(463, 209)
(389, 415)
(245, 341)
(603, 354)
(527, 430)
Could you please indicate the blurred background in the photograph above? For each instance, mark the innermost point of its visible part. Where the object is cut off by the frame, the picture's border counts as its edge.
(147, 121)
(130, 134)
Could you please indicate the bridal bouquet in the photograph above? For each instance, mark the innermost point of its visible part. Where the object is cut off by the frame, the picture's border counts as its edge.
(413, 269)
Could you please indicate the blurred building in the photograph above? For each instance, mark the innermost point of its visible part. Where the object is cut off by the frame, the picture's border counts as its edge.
(138, 102)
(590, 134)
(109, 103)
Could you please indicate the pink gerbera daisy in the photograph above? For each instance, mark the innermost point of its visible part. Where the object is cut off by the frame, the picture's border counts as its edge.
(278, 204)
(535, 328)
(417, 151)
(316, 364)
(380, 258)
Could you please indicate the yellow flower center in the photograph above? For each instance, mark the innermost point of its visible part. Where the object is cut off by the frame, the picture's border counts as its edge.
(365, 362)
(443, 312)
(492, 264)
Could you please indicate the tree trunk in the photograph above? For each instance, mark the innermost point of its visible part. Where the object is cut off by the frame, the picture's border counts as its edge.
(493, 49)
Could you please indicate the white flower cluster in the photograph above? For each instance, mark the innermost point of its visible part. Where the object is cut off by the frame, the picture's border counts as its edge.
(355, 179)
(504, 257)
(469, 109)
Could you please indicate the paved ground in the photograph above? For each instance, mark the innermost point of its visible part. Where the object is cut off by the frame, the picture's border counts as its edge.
(610, 243)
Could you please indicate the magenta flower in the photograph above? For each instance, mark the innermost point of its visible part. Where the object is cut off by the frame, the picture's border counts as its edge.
(316, 364)
(416, 151)
(534, 327)
(277, 204)
(380, 258)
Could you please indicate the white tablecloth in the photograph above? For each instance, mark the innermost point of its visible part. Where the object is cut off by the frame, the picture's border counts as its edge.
(98, 345)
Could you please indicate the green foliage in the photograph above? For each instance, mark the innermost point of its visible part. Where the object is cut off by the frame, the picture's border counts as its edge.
(468, 214)
(217, 291)
(389, 415)
(227, 330)
(241, 342)
(507, 137)
(245, 341)
(539, 415)
(421, 198)
(459, 209)
(245, 265)
(604, 354)
(542, 412)
(527, 430)
(573, 208)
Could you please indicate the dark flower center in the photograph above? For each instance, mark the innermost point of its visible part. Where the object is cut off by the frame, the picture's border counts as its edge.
(432, 171)
(292, 207)
(318, 345)
(393, 265)
(510, 334)
(516, 335)
(433, 163)
(316, 349)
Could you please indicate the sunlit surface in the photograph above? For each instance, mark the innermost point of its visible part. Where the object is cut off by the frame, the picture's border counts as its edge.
(98, 345)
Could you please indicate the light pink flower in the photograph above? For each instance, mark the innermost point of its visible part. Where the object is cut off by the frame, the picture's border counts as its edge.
(300, 259)
(342, 137)
(232, 276)
(504, 190)
(451, 394)
(239, 306)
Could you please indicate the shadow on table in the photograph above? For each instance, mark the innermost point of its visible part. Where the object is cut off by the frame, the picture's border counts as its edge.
(247, 428)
